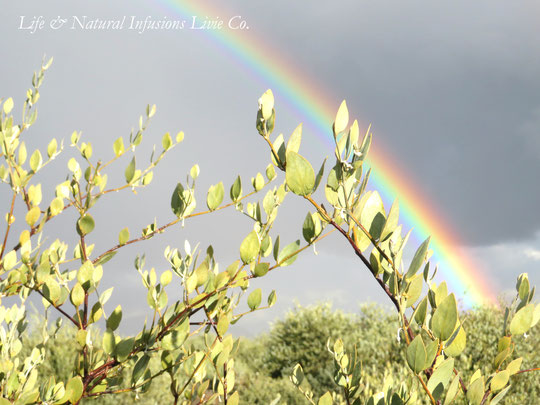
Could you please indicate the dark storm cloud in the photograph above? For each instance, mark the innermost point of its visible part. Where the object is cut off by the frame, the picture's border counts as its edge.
(451, 88)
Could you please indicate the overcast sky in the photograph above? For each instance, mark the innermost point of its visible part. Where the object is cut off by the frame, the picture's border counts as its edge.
(452, 91)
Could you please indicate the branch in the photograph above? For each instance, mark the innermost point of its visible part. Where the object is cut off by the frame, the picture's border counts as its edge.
(8, 225)
(528, 370)
(58, 309)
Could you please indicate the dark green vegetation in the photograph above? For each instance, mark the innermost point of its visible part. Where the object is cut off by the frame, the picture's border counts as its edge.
(265, 362)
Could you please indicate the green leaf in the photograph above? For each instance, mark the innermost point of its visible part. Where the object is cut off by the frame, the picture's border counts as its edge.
(118, 147)
(514, 366)
(195, 171)
(51, 290)
(166, 278)
(124, 348)
(147, 179)
(249, 249)
(372, 216)
(8, 105)
(108, 342)
(326, 399)
(115, 318)
(74, 389)
(175, 338)
(106, 257)
(166, 141)
(233, 399)
(522, 320)
(215, 196)
(431, 352)
(182, 201)
(288, 251)
(500, 380)
(266, 104)
(223, 325)
(294, 141)
(77, 295)
(22, 153)
(270, 172)
(475, 392)
(10, 260)
(57, 205)
(453, 390)
(308, 228)
(261, 269)
(445, 318)
(319, 176)
(342, 119)
(414, 290)
(272, 298)
(456, 347)
(140, 368)
(279, 148)
(497, 398)
(440, 378)
(391, 222)
(130, 171)
(258, 182)
(254, 299)
(297, 375)
(32, 216)
(299, 174)
(123, 236)
(418, 259)
(84, 275)
(236, 189)
(85, 224)
(36, 160)
(416, 354)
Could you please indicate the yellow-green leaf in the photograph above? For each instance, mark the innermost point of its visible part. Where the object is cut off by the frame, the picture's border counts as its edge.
(416, 354)
(108, 342)
(32, 216)
(130, 171)
(500, 380)
(445, 318)
(8, 105)
(326, 399)
(118, 147)
(342, 118)
(114, 318)
(77, 295)
(215, 196)
(266, 104)
(249, 249)
(123, 236)
(254, 299)
(85, 224)
(522, 320)
(36, 160)
(299, 174)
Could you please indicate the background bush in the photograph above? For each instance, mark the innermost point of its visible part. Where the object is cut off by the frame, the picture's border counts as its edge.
(264, 362)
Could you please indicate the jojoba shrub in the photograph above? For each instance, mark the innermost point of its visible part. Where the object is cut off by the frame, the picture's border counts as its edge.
(193, 299)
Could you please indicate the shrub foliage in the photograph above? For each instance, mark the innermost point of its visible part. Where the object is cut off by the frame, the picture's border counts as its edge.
(187, 343)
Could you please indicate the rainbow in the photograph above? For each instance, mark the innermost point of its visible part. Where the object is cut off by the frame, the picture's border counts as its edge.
(318, 106)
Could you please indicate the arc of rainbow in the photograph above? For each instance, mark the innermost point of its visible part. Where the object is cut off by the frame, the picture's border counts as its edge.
(464, 276)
